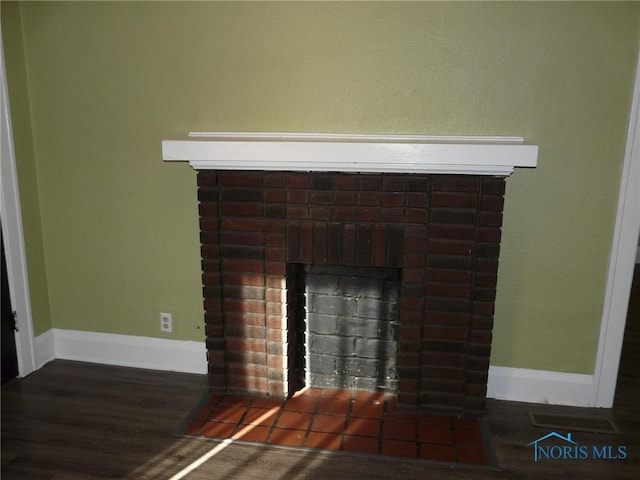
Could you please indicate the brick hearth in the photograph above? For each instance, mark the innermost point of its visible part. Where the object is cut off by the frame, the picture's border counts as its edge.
(442, 231)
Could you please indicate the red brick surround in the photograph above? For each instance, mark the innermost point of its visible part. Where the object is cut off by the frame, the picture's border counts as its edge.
(443, 231)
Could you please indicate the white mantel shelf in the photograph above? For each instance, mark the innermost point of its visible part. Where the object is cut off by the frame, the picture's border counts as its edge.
(313, 152)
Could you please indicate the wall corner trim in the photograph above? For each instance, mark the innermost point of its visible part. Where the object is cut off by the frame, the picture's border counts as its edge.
(13, 233)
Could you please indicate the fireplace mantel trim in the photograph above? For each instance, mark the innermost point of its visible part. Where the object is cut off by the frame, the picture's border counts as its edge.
(465, 155)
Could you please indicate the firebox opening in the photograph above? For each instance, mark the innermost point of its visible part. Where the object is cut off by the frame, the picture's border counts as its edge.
(346, 327)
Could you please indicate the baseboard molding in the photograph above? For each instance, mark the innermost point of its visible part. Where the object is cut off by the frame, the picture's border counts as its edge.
(505, 383)
(122, 350)
(44, 348)
(540, 386)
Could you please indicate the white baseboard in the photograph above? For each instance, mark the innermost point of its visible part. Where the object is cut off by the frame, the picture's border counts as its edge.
(122, 350)
(505, 383)
(540, 386)
(44, 348)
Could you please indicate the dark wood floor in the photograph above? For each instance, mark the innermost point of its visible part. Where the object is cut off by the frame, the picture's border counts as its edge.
(72, 421)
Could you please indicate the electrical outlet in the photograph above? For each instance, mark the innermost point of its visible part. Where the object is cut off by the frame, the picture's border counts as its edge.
(166, 322)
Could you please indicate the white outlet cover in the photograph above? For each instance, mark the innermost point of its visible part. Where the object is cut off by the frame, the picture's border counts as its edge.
(166, 322)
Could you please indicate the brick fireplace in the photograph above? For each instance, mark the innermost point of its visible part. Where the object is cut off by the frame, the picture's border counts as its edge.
(440, 232)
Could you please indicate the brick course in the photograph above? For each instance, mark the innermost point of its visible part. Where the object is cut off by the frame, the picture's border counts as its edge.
(442, 231)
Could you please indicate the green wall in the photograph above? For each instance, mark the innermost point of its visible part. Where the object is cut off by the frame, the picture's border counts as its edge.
(108, 81)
